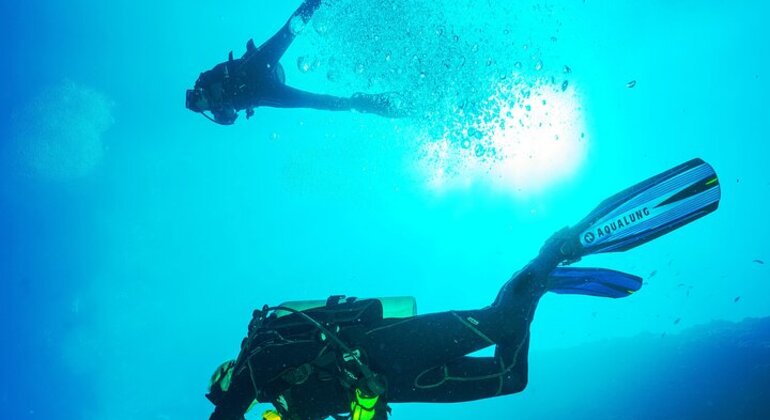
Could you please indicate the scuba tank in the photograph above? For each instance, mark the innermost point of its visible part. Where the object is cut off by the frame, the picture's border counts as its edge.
(392, 307)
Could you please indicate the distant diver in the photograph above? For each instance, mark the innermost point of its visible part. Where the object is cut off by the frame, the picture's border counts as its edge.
(257, 79)
(348, 358)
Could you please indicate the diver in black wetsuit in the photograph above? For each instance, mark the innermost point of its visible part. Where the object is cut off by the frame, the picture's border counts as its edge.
(257, 79)
(347, 357)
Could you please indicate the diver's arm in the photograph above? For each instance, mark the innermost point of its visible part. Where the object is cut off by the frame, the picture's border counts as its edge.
(273, 48)
(283, 96)
(233, 403)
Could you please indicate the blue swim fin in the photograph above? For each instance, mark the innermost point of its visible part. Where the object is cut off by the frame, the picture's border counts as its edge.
(648, 210)
(593, 282)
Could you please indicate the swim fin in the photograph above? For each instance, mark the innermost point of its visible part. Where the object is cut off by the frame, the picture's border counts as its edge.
(593, 282)
(648, 210)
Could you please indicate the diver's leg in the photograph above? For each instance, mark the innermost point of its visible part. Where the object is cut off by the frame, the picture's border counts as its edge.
(466, 378)
(273, 48)
(282, 96)
(423, 356)
(388, 104)
(278, 95)
(457, 333)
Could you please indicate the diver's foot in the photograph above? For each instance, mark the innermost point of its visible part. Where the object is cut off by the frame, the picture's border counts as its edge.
(561, 246)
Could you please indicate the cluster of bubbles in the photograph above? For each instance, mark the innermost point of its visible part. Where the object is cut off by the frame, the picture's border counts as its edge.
(467, 69)
(58, 134)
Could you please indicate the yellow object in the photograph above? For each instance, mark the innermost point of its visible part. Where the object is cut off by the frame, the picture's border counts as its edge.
(271, 415)
(363, 407)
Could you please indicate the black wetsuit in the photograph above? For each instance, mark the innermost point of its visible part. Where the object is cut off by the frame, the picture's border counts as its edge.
(256, 79)
(422, 358)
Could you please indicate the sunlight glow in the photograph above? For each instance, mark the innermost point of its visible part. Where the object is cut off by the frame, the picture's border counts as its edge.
(531, 139)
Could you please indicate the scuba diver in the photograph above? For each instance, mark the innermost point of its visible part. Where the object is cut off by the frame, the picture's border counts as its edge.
(257, 79)
(349, 358)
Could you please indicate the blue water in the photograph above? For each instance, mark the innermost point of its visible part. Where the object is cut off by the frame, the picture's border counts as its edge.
(137, 237)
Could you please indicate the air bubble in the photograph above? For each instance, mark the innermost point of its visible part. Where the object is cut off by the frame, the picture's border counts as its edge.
(320, 26)
(479, 150)
(304, 63)
(296, 25)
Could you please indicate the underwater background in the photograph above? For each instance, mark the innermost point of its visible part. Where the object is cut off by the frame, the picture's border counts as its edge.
(136, 237)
